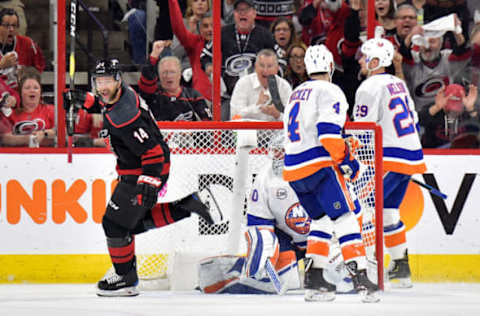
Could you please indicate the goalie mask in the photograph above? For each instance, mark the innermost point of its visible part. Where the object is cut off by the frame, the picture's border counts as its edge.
(277, 153)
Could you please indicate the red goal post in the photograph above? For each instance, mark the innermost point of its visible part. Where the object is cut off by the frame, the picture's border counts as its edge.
(220, 160)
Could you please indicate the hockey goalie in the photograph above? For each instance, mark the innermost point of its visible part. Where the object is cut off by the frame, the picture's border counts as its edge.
(276, 237)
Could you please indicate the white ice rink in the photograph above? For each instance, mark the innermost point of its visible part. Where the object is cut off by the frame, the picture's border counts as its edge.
(437, 299)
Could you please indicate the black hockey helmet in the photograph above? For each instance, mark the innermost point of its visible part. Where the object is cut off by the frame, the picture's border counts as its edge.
(107, 67)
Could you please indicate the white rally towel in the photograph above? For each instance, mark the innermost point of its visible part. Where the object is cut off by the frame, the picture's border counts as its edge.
(436, 28)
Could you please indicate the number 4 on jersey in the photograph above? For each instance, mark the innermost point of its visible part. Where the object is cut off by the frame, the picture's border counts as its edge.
(293, 134)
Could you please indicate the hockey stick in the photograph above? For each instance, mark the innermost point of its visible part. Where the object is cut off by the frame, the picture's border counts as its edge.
(273, 88)
(430, 188)
(217, 206)
(70, 118)
(273, 275)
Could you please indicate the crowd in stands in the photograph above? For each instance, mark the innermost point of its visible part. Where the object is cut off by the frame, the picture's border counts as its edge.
(437, 46)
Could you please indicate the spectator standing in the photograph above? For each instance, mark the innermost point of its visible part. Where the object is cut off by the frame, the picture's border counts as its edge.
(418, 5)
(19, 8)
(450, 116)
(327, 23)
(284, 34)
(194, 12)
(251, 98)
(385, 14)
(33, 123)
(405, 23)
(269, 10)
(170, 101)
(241, 42)
(435, 67)
(16, 50)
(197, 46)
(137, 30)
(319, 17)
(227, 11)
(296, 72)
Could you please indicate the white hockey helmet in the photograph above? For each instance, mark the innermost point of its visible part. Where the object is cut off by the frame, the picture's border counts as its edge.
(276, 151)
(378, 48)
(319, 59)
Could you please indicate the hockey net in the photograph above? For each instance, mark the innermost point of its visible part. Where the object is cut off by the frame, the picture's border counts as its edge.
(220, 160)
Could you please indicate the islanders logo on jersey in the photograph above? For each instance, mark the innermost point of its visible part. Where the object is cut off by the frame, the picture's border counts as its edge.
(297, 219)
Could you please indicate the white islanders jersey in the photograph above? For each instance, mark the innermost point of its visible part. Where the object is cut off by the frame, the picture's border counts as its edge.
(274, 203)
(384, 99)
(314, 117)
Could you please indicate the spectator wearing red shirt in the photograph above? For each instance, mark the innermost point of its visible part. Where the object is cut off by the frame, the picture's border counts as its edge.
(33, 123)
(198, 47)
(16, 50)
(169, 100)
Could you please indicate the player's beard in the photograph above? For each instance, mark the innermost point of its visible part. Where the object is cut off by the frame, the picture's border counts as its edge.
(112, 97)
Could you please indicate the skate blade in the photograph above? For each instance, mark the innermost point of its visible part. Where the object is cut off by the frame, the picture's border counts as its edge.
(372, 297)
(127, 291)
(405, 283)
(319, 296)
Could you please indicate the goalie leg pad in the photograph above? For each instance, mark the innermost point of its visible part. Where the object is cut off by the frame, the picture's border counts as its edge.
(262, 246)
(215, 274)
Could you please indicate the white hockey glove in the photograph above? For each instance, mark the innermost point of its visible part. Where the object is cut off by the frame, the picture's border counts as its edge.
(262, 245)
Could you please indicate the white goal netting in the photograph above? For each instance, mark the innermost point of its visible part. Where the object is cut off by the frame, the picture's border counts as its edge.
(221, 163)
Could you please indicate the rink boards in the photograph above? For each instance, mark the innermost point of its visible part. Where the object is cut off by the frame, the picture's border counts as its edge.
(50, 215)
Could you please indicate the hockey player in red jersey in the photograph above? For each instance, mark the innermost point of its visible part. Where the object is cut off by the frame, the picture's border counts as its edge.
(143, 163)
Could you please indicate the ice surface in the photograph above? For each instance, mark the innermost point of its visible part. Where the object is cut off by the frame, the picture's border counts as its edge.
(436, 299)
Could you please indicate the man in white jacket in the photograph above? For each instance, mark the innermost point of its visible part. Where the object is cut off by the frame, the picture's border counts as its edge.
(251, 97)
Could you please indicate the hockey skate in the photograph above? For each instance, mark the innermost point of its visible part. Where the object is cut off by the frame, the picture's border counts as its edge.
(114, 285)
(193, 204)
(317, 289)
(399, 273)
(369, 292)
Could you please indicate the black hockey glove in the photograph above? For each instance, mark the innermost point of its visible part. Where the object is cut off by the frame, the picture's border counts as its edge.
(146, 191)
(78, 99)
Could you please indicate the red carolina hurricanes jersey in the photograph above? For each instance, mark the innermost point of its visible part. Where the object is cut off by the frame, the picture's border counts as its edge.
(28, 55)
(42, 118)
